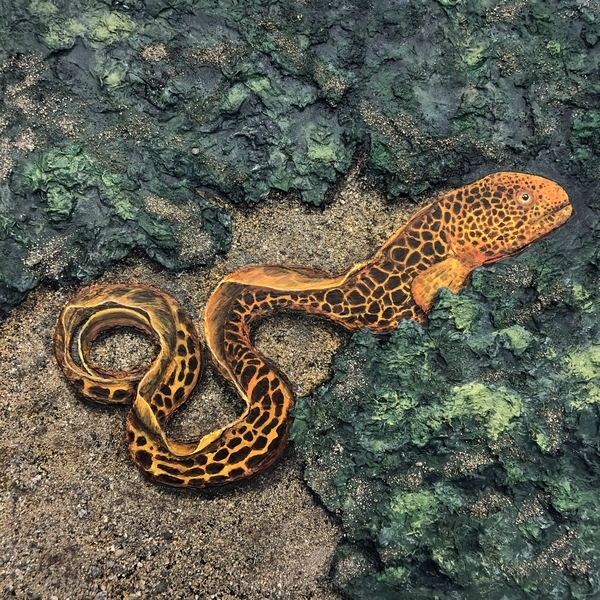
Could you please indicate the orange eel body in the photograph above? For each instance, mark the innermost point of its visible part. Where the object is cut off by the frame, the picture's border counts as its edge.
(475, 225)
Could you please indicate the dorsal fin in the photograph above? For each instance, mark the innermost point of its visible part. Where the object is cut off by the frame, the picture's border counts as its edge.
(284, 277)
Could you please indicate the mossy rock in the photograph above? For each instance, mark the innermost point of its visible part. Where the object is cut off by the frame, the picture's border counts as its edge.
(253, 97)
(462, 457)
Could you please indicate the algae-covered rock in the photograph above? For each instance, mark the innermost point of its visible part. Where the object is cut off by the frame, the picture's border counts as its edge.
(463, 460)
(75, 217)
(462, 457)
(241, 98)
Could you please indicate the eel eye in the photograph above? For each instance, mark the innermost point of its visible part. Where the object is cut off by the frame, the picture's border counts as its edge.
(525, 197)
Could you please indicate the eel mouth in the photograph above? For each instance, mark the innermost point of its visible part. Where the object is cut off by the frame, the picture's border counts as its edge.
(556, 216)
(547, 223)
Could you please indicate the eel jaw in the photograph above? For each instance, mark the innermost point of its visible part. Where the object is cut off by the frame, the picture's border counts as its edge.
(561, 214)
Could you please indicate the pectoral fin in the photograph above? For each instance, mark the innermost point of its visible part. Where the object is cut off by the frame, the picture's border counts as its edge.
(450, 273)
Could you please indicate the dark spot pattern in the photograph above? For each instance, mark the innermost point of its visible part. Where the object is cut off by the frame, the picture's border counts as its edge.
(144, 458)
(99, 392)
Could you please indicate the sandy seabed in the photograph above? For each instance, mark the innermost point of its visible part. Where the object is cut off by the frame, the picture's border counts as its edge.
(79, 521)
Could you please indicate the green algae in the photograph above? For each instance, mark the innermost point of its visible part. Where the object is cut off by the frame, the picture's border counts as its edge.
(64, 176)
(251, 98)
(494, 408)
(412, 510)
(478, 446)
(584, 365)
(461, 310)
(568, 498)
(582, 298)
(110, 27)
(585, 362)
(234, 98)
(105, 216)
(97, 27)
(516, 339)
(42, 8)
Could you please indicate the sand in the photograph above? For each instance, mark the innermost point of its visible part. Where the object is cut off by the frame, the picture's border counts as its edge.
(79, 521)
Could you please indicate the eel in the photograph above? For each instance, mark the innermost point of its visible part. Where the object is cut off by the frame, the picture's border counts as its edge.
(478, 224)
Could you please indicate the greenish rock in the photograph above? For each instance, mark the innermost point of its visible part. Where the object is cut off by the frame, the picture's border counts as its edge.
(463, 461)
(495, 407)
(75, 217)
(252, 97)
